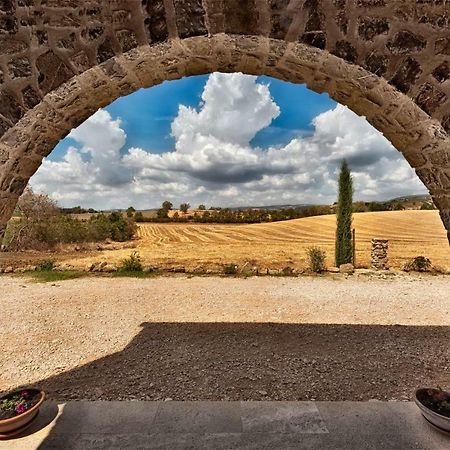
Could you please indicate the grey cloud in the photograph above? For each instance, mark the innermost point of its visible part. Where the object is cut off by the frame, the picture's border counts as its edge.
(213, 160)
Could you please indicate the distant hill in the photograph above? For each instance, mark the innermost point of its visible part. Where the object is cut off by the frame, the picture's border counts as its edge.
(407, 202)
(413, 201)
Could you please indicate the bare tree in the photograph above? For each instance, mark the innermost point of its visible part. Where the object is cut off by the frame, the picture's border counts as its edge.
(33, 206)
(31, 210)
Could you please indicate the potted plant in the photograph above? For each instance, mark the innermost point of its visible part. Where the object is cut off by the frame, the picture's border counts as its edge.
(435, 407)
(18, 409)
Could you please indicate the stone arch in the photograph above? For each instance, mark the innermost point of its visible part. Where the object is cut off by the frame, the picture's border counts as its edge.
(60, 62)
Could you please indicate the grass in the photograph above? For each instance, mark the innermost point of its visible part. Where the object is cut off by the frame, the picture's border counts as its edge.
(48, 276)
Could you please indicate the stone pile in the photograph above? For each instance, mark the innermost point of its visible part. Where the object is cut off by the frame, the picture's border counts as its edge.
(379, 254)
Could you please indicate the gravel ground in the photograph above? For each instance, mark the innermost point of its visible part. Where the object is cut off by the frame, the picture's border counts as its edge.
(223, 338)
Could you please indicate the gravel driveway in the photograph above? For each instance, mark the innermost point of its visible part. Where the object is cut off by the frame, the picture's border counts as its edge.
(224, 338)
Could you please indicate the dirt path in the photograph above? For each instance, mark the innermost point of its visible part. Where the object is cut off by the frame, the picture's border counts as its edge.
(217, 338)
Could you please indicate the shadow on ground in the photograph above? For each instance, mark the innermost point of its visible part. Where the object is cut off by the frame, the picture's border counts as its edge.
(254, 361)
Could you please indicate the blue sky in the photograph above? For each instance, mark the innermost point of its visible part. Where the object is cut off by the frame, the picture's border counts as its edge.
(222, 140)
(147, 114)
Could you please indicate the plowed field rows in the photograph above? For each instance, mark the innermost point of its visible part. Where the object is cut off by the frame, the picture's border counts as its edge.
(280, 244)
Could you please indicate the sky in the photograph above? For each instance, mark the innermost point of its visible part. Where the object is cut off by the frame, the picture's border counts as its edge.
(221, 140)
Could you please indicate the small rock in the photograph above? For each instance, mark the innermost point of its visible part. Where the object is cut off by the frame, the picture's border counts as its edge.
(333, 269)
(346, 268)
(364, 272)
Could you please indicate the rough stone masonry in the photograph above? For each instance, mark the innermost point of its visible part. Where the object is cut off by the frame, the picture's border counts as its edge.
(379, 254)
(60, 60)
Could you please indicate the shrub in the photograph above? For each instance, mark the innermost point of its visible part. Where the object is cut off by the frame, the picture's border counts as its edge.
(115, 227)
(99, 228)
(418, 264)
(23, 233)
(39, 225)
(46, 265)
(316, 259)
(122, 229)
(427, 206)
(230, 269)
(132, 263)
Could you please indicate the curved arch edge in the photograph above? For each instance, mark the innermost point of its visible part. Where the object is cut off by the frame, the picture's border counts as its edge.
(421, 139)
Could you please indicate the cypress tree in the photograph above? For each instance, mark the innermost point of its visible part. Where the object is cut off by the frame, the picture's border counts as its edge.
(344, 211)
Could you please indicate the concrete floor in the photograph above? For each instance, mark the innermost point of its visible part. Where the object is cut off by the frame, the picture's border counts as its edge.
(230, 425)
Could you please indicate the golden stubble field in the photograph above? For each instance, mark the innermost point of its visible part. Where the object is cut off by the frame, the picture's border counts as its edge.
(280, 244)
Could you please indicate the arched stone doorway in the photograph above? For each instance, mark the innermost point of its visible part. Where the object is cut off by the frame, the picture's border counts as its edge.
(387, 61)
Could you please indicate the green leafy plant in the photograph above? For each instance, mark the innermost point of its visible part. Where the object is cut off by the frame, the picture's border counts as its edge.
(132, 263)
(18, 403)
(418, 264)
(316, 258)
(46, 265)
(230, 269)
(50, 276)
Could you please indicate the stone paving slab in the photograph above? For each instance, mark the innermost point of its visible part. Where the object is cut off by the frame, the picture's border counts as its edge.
(281, 417)
(229, 425)
(198, 418)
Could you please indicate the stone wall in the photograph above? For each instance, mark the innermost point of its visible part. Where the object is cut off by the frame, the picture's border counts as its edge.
(386, 60)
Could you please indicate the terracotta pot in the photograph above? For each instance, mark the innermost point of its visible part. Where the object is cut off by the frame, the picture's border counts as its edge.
(438, 420)
(17, 422)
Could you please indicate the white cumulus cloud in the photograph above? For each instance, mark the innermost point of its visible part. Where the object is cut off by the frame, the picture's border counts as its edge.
(213, 161)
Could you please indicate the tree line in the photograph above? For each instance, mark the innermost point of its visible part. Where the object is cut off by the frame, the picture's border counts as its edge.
(227, 215)
(166, 213)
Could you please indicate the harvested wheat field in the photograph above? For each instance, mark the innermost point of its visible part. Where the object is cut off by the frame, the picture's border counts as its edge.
(280, 244)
